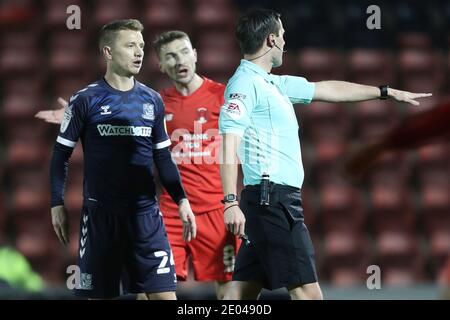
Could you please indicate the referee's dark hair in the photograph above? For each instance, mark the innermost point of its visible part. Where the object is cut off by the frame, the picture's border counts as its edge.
(254, 26)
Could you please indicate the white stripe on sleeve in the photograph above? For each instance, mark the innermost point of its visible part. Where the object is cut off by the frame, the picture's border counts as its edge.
(66, 142)
(162, 144)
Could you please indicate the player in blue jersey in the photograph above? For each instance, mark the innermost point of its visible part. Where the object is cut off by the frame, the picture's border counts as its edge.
(121, 126)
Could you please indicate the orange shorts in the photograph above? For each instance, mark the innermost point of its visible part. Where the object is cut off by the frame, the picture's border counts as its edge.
(213, 251)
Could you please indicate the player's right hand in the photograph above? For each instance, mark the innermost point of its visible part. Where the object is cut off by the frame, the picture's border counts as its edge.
(234, 219)
(53, 116)
(188, 219)
(61, 223)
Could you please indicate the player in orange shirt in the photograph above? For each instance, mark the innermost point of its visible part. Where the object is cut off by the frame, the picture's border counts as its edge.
(192, 107)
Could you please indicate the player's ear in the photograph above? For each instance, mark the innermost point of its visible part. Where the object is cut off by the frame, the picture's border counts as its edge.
(161, 68)
(270, 41)
(107, 53)
(195, 55)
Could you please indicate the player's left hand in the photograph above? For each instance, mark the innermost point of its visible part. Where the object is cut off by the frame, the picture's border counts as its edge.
(405, 96)
(188, 219)
(53, 116)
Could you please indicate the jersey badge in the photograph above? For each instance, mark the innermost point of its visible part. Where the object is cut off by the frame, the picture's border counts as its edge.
(202, 115)
(148, 111)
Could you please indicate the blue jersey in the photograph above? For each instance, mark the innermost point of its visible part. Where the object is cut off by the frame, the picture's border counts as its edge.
(118, 132)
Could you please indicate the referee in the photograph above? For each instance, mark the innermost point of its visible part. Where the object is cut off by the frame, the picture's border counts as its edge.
(259, 127)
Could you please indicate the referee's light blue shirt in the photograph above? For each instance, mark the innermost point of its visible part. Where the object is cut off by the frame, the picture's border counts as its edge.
(258, 108)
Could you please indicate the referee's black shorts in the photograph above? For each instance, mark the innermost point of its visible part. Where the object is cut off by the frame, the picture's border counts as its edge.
(280, 252)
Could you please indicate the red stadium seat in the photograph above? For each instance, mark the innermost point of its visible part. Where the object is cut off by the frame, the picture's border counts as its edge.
(345, 252)
(20, 40)
(40, 247)
(21, 154)
(348, 276)
(399, 258)
(401, 276)
(325, 121)
(19, 62)
(20, 105)
(213, 60)
(25, 130)
(108, 10)
(65, 87)
(30, 201)
(320, 64)
(395, 245)
(416, 61)
(341, 208)
(68, 53)
(326, 163)
(214, 14)
(392, 208)
(435, 206)
(28, 85)
(164, 15)
(391, 169)
(217, 53)
(421, 69)
(371, 66)
(432, 158)
(32, 237)
(439, 247)
(414, 40)
(373, 118)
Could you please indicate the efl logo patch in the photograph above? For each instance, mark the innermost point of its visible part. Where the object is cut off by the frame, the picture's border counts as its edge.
(66, 119)
(237, 96)
(148, 111)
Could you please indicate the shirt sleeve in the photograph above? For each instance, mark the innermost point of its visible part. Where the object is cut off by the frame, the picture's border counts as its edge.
(159, 136)
(239, 102)
(298, 89)
(73, 121)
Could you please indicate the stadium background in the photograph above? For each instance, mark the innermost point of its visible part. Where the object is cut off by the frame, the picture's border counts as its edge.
(398, 219)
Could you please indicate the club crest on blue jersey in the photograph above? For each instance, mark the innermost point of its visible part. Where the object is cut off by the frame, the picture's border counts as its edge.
(148, 111)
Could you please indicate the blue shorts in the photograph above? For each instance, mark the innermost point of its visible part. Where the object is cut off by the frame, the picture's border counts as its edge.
(123, 245)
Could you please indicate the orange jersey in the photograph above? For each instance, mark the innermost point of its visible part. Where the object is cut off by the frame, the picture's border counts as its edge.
(192, 124)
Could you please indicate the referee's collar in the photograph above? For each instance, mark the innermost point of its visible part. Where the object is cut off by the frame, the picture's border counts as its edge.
(254, 67)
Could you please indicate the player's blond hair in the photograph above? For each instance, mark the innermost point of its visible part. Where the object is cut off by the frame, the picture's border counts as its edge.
(109, 30)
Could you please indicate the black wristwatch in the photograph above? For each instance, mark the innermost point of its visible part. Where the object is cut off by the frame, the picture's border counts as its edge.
(229, 198)
(384, 92)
